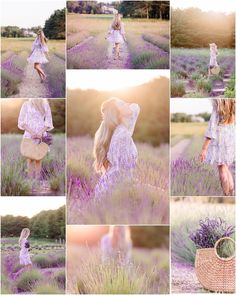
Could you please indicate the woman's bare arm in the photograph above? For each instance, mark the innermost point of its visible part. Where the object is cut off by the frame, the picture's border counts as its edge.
(205, 146)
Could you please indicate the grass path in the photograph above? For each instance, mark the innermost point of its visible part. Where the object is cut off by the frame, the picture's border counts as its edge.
(178, 149)
(184, 279)
(31, 85)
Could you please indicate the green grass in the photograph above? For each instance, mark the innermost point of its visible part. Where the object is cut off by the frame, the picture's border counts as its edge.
(28, 280)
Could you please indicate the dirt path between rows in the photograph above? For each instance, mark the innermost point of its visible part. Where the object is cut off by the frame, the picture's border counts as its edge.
(122, 63)
(31, 85)
(178, 149)
(184, 279)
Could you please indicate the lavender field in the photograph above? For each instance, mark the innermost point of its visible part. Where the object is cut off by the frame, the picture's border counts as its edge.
(47, 275)
(189, 74)
(185, 217)
(18, 77)
(148, 273)
(147, 43)
(145, 202)
(190, 177)
(14, 174)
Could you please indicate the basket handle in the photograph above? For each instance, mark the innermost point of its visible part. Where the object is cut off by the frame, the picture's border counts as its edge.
(216, 244)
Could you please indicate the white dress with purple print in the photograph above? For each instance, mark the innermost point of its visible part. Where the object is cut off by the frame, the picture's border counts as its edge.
(213, 58)
(221, 149)
(38, 52)
(122, 155)
(24, 253)
(34, 119)
(116, 36)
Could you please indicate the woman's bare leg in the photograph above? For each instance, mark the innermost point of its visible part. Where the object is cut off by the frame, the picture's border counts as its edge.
(39, 70)
(30, 168)
(38, 168)
(116, 50)
(230, 180)
(224, 179)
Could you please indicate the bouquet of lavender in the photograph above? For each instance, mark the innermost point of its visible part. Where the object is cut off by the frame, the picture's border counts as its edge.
(47, 139)
(210, 231)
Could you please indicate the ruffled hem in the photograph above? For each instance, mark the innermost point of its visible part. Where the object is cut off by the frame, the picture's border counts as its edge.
(37, 57)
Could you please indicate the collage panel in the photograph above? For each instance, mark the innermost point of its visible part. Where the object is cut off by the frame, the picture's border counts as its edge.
(202, 245)
(118, 34)
(117, 259)
(33, 49)
(33, 144)
(202, 49)
(203, 147)
(118, 157)
(33, 245)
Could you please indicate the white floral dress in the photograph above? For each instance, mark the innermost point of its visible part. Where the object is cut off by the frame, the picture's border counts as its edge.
(116, 36)
(38, 52)
(109, 253)
(221, 149)
(24, 253)
(122, 155)
(213, 58)
(34, 119)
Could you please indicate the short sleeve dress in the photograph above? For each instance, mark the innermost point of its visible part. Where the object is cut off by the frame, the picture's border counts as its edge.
(34, 119)
(38, 52)
(116, 35)
(122, 156)
(108, 253)
(221, 149)
(24, 253)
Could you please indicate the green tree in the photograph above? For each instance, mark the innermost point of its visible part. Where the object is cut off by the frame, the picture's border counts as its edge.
(54, 27)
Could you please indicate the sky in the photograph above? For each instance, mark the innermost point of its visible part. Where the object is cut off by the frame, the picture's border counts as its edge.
(29, 206)
(206, 5)
(107, 80)
(26, 14)
(191, 106)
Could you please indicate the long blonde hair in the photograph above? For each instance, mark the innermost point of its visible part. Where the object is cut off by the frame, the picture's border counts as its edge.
(42, 37)
(24, 234)
(39, 104)
(226, 110)
(120, 236)
(111, 119)
(116, 24)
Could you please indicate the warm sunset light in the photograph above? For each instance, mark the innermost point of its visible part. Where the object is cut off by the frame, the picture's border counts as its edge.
(85, 234)
(226, 6)
(112, 79)
(23, 206)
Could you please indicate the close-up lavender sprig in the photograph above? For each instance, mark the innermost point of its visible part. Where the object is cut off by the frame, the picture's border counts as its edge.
(210, 231)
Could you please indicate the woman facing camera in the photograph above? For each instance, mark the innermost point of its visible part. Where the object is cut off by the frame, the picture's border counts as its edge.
(114, 150)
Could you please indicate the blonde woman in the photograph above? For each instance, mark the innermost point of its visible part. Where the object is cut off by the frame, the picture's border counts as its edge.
(39, 54)
(24, 251)
(35, 119)
(114, 150)
(213, 58)
(219, 144)
(117, 245)
(116, 34)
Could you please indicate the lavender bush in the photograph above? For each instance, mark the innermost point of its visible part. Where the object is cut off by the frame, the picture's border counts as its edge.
(210, 231)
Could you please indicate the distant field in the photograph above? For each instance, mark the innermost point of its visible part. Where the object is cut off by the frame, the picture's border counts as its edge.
(147, 274)
(14, 54)
(189, 73)
(148, 41)
(188, 129)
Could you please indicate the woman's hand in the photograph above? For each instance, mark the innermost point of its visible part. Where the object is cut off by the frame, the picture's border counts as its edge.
(202, 155)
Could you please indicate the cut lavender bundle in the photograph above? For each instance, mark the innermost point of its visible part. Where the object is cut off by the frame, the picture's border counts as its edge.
(47, 139)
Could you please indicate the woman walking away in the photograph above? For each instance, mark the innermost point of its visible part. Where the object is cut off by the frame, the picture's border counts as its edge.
(116, 246)
(24, 251)
(219, 144)
(39, 54)
(114, 150)
(116, 34)
(213, 58)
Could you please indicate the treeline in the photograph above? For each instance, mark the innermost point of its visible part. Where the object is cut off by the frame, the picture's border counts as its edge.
(150, 236)
(54, 28)
(193, 28)
(84, 117)
(183, 117)
(134, 9)
(10, 110)
(48, 224)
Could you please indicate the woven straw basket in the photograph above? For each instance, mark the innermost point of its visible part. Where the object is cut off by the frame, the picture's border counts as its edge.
(33, 151)
(215, 70)
(213, 272)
